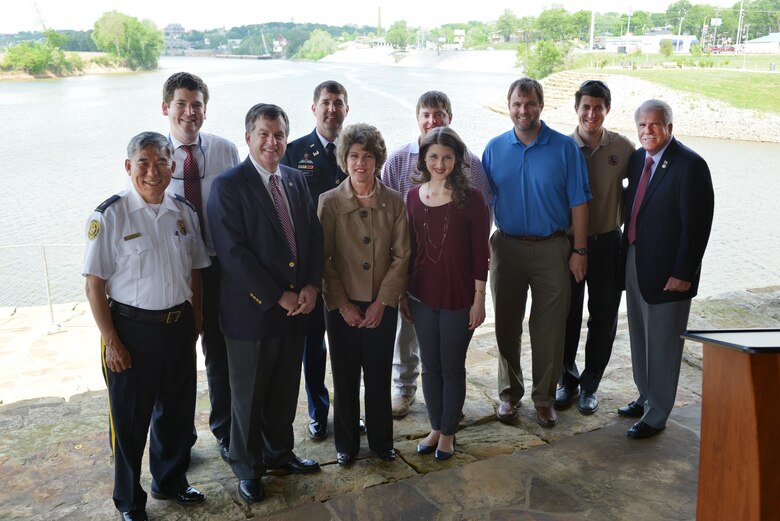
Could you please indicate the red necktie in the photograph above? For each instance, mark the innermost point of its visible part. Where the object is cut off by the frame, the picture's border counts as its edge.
(284, 215)
(192, 183)
(640, 195)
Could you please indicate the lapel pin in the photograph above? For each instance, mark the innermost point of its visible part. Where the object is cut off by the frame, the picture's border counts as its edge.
(664, 164)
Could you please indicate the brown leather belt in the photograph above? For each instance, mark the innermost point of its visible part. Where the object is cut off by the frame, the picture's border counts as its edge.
(162, 316)
(533, 238)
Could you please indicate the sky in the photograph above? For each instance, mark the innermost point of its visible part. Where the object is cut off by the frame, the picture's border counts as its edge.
(26, 15)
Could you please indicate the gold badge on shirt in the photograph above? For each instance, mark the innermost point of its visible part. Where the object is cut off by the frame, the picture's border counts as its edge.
(94, 230)
(182, 229)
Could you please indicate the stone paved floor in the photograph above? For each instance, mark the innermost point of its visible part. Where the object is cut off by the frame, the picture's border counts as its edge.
(55, 459)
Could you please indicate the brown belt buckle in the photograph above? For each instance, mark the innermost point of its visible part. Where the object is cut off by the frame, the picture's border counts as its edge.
(173, 316)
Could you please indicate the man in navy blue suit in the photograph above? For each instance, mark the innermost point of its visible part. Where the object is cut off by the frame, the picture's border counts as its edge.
(669, 209)
(314, 156)
(269, 244)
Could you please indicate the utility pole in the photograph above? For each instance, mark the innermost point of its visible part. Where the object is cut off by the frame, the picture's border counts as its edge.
(739, 24)
(592, 27)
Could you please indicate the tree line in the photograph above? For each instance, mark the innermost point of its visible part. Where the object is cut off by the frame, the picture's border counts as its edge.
(541, 40)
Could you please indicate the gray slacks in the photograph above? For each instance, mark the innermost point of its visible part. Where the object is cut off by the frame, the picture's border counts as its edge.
(656, 347)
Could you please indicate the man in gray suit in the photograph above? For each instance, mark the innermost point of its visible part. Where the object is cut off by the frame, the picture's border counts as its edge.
(669, 208)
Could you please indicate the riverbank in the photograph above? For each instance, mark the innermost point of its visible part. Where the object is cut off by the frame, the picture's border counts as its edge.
(694, 115)
(90, 68)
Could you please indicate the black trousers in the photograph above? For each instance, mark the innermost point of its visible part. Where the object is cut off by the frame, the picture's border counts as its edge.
(603, 302)
(264, 379)
(353, 349)
(158, 390)
(215, 351)
(315, 361)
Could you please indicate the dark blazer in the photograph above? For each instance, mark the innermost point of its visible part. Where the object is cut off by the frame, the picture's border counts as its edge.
(674, 221)
(256, 262)
(310, 158)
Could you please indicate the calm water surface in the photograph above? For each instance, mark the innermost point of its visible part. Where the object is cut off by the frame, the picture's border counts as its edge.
(62, 150)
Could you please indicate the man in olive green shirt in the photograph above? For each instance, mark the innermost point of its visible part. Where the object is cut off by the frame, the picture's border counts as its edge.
(606, 154)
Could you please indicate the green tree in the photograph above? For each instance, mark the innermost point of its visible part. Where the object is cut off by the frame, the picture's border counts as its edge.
(40, 57)
(545, 58)
(56, 39)
(476, 36)
(138, 43)
(319, 45)
(666, 47)
(555, 25)
(398, 35)
(580, 22)
(507, 24)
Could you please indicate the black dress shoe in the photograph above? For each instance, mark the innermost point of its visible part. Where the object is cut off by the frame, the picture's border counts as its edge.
(296, 466)
(251, 490)
(632, 410)
(588, 403)
(224, 452)
(189, 496)
(344, 458)
(135, 515)
(441, 455)
(642, 430)
(564, 396)
(361, 426)
(425, 449)
(318, 430)
(387, 454)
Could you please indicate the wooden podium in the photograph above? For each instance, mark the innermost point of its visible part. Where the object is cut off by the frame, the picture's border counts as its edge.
(739, 460)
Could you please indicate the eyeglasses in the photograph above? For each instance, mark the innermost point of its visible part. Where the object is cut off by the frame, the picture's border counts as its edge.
(598, 83)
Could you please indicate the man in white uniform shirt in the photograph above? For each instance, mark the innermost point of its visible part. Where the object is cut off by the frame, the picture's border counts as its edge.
(143, 259)
(185, 98)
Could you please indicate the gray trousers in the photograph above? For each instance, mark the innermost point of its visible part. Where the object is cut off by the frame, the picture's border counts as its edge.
(542, 266)
(656, 347)
(406, 360)
(444, 337)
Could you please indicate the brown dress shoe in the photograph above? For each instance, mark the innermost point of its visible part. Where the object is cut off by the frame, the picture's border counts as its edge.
(546, 416)
(508, 410)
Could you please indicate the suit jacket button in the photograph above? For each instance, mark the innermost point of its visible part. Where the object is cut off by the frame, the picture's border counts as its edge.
(366, 239)
(366, 266)
(292, 264)
(291, 286)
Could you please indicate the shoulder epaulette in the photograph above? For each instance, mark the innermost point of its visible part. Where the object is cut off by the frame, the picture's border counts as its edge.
(108, 202)
(185, 201)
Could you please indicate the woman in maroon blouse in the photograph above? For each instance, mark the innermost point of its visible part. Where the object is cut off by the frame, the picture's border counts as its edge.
(449, 228)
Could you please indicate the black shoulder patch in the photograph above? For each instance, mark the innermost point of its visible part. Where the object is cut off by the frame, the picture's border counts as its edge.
(108, 202)
(185, 201)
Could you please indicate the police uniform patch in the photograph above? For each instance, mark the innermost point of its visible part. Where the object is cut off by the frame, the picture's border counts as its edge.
(613, 160)
(180, 225)
(94, 229)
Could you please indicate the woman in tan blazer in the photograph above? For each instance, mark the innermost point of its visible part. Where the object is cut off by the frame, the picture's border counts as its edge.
(367, 250)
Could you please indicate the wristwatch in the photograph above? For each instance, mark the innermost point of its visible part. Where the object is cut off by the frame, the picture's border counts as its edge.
(580, 251)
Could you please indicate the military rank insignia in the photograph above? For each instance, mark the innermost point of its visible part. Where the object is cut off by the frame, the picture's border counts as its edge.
(94, 229)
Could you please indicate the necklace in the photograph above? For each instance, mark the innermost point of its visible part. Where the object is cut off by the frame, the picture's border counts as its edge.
(369, 195)
(434, 249)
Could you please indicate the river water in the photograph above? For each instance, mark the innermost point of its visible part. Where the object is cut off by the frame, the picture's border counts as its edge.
(62, 150)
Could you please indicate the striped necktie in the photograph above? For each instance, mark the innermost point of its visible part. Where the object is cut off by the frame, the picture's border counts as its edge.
(284, 216)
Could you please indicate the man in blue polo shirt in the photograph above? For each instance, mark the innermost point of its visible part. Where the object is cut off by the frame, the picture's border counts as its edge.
(540, 186)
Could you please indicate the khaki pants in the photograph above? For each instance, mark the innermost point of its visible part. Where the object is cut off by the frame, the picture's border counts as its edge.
(543, 266)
